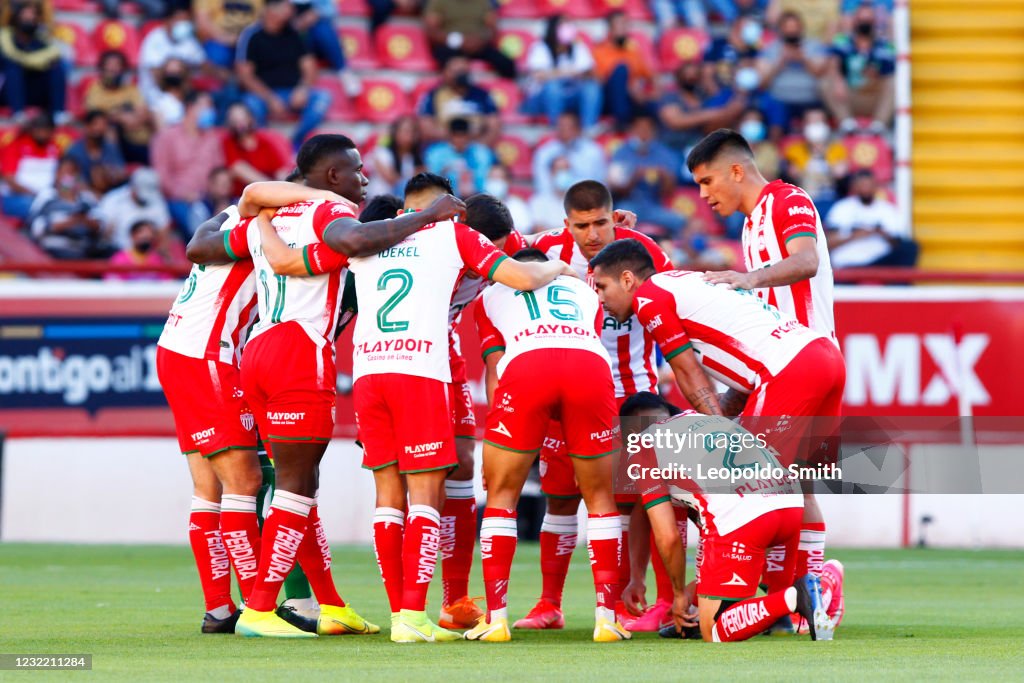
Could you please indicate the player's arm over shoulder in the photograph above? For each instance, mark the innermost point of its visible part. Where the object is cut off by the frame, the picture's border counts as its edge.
(311, 259)
(211, 245)
(348, 236)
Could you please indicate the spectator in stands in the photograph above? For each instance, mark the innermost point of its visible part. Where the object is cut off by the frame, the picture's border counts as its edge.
(624, 71)
(547, 204)
(499, 184)
(817, 161)
(457, 96)
(142, 251)
(643, 174)
(381, 10)
(175, 84)
(98, 155)
(151, 9)
(314, 20)
(138, 200)
(62, 219)
(860, 76)
(865, 229)
(249, 153)
(561, 76)
(219, 23)
(754, 128)
(396, 158)
(183, 155)
(115, 94)
(792, 66)
(220, 192)
(174, 39)
(462, 160)
(585, 157)
(29, 164)
(820, 17)
(35, 74)
(467, 28)
(277, 70)
(696, 106)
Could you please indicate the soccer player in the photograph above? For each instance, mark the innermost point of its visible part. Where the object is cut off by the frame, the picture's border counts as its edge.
(786, 256)
(197, 362)
(288, 370)
(402, 367)
(545, 349)
(591, 224)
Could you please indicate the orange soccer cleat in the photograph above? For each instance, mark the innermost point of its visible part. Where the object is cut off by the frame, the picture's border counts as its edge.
(463, 613)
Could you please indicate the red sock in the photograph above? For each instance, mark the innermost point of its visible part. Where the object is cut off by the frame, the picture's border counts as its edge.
(211, 556)
(750, 617)
(458, 535)
(661, 577)
(388, 531)
(811, 553)
(283, 531)
(604, 533)
(420, 548)
(315, 560)
(498, 534)
(558, 537)
(625, 573)
(240, 529)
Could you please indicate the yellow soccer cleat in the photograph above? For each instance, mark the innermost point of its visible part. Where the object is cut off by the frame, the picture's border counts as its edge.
(463, 613)
(608, 631)
(267, 625)
(416, 627)
(341, 621)
(495, 631)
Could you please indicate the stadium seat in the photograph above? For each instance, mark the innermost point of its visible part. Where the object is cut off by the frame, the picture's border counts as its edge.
(645, 45)
(15, 245)
(83, 6)
(342, 106)
(7, 135)
(65, 136)
(515, 43)
(117, 35)
(680, 45)
(382, 101)
(508, 97)
(514, 153)
(686, 202)
(359, 50)
(870, 151)
(571, 9)
(83, 46)
(404, 47)
(610, 142)
(353, 8)
(76, 94)
(518, 9)
(634, 9)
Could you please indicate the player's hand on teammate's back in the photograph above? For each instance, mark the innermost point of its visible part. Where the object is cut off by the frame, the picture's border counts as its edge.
(730, 277)
(446, 207)
(568, 270)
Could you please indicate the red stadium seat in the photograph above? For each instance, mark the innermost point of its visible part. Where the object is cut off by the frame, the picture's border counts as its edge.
(342, 108)
(572, 9)
(514, 154)
(518, 9)
(76, 94)
(83, 6)
(634, 9)
(646, 47)
(404, 47)
(681, 45)
(74, 35)
(870, 151)
(686, 202)
(515, 43)
(610, 142)
(117, 35)
(354, 8)
(65, 136)
(508, 97)
(7, 135)
(382, 101)
(359, 51)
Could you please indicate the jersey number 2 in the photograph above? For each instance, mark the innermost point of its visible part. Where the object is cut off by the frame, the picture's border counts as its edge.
(404, 278)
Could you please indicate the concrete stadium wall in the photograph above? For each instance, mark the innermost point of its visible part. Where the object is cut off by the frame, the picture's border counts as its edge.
(121, 490)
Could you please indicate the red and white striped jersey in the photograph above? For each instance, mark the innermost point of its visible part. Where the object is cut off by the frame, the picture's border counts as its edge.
(629, 346)
(740, 339)
(313, 301)
(700, 444)
(783, 212)
(466, 292)
(405, 295)
(564, 314)
(215, 309)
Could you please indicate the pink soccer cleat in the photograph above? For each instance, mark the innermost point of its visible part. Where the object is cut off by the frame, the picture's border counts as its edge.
(544, 615)
(653, 619)
(832, 573)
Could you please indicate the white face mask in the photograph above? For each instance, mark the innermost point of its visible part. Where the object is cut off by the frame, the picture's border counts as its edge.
(752, 130)
(747, 78)
(496, 187)
(563, 180)
(181, 31)
(751, 33)
(817, 132)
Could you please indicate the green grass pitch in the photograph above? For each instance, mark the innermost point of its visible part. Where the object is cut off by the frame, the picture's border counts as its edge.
(911, 614)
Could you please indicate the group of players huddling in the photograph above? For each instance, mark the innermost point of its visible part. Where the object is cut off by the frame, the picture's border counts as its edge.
(568, 330)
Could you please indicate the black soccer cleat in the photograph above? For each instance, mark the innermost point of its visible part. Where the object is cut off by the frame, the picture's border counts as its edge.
(810, 606)
(689, 633)
(212, 624)
(297, 620)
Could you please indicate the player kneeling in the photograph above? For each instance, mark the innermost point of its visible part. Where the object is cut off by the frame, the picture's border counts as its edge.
(544, 348)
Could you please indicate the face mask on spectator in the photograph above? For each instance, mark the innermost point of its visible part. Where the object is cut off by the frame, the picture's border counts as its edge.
(751, 32)
(28, 26)
(181, 31)
(816, 132)
(563, 180)
(240, 131)
(207, 119)
(864, 28)
(462, 81)
(496, 187)
(867, 200)
(566, 33)
(620, 41)
(113, 80)
(67, 182)
(792, 39)
(173, 80)
(747, 78)
(143, 246)
(752, 130)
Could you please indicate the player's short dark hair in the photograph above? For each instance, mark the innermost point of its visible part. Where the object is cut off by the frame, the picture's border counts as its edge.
(428, 181)
(646, 400)
(294, 176)
(722, 140)
(623, 255)
(488, 215)
(530, 254)
(587, 195)
(320, 147)
(381, 207)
